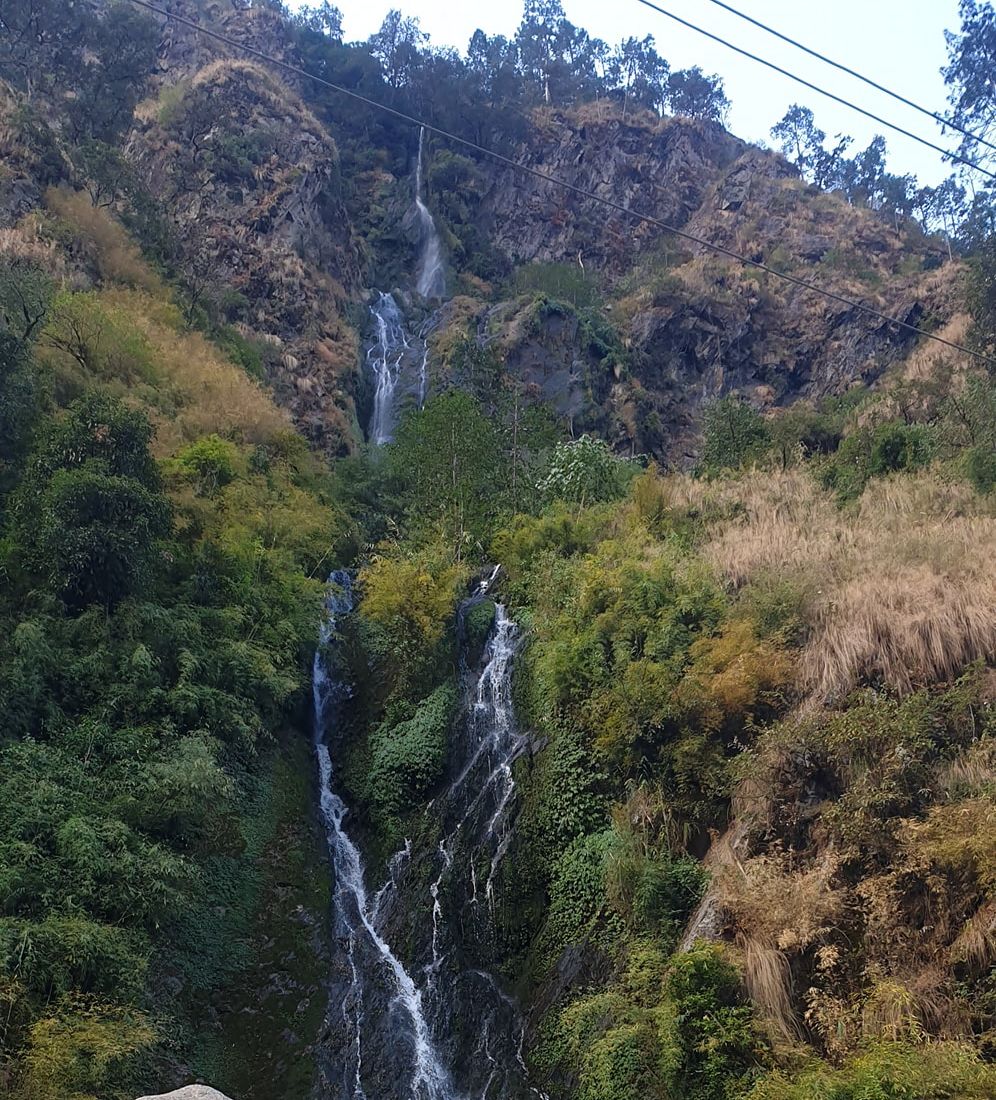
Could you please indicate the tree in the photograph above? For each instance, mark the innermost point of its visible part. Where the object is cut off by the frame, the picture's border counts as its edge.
(398, 47)
(804, 143)
(693, 94)
(102, 428)
(733, 435)
(19, 407)
(447, 457)
(26, 294)
(96, 533)
(537, 40)
(969, 76)
(323, 18)
(640, 74)
(584, 471)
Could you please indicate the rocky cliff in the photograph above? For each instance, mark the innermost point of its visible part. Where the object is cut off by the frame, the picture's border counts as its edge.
(250, 180)
(690, 325)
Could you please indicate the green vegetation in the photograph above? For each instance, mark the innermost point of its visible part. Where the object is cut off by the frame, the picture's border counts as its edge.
(158, 617)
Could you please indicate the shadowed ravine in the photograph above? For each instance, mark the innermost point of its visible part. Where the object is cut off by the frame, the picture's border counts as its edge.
(433, 1026)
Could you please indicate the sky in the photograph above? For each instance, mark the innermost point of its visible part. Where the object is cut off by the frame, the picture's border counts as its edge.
(898, 43)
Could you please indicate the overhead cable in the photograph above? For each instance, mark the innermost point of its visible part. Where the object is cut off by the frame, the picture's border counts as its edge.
(946, 153)
(537, 173)
(898, 96)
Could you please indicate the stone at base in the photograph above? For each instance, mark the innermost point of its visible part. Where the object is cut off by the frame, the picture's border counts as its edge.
(190, 1092)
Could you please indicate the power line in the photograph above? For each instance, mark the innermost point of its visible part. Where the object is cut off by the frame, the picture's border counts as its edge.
(898, 96)
(946, 153)
(536, 173)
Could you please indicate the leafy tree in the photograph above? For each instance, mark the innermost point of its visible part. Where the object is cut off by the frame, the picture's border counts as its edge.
(19, 408)
(968, 75)
(102, 428)
(695, 95)
(96, 533)
(584, 471)
(447, 458)
(26, 294)
(640, 74)
(734, 434)
(398, 47)
(323, 18)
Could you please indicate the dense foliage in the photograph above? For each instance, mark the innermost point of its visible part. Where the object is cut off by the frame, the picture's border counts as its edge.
(157, 617)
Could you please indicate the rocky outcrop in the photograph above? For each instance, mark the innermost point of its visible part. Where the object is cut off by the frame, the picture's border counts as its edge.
(695, 324)
(250, 180)
(661, 168)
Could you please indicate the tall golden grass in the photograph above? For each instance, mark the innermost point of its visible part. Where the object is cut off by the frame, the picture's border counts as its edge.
(202, 392)
(115, 255)
(899, 591)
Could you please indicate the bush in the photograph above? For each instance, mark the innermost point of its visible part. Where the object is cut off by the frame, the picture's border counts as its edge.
(733, 435)
(980, 465)
(562, 282)
(875, 452)
(409, 758)
(210, 463)
(892, 1071)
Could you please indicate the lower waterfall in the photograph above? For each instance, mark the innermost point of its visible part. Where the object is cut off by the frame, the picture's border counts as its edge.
(436, 1026)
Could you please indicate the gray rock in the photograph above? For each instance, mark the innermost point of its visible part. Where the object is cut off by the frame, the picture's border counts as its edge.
(189, 1092)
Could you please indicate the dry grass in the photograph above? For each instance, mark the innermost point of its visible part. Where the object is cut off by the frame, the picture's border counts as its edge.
(900, 591)
(115, 255)
(769, 983)
(780, 908)
(203, 391)
(975, 945)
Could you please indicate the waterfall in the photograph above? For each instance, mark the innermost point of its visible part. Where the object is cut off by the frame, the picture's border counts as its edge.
(431, 278)
(427, 1078)
(397, 356)
(391, 344)
(439, 1027)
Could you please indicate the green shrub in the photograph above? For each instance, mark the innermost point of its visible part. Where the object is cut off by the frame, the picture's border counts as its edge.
(980, 465)
(892, 1071)
(733, 435)
(713, 1025)
(876, 452)
(408, 758)
(210, 463)
(561, 282)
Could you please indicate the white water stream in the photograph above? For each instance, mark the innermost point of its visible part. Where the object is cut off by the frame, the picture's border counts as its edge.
(387, 1018)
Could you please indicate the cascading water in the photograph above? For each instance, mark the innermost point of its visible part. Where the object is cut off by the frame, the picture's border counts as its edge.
(398, 356)
(386, 356)
(440, 1027)
(431, 279)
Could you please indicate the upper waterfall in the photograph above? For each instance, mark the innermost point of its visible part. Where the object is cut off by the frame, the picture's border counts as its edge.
(430, 280)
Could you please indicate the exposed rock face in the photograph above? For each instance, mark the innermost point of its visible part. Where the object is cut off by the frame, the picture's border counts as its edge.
(659, 168)
(250, 179)
(697, 325)
(190, 1092)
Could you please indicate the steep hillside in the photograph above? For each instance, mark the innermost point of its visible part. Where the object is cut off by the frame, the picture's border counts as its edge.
(633, 606)
(638, 329)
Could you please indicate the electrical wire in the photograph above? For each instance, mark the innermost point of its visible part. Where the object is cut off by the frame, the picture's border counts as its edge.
(536, 173)
(898, 96)
(946, 153)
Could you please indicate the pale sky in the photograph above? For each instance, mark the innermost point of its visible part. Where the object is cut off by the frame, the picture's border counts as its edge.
(899, 43)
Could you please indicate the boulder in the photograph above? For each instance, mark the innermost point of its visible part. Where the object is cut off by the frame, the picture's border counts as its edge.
(189, 1092)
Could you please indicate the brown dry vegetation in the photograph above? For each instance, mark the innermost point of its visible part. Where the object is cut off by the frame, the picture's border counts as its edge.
(899, 590)
(202, 392)
(104, 242)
